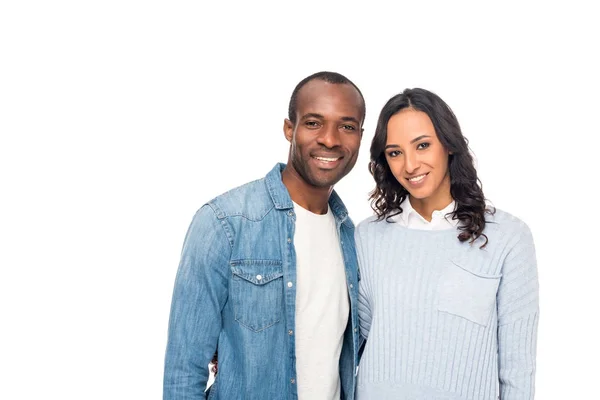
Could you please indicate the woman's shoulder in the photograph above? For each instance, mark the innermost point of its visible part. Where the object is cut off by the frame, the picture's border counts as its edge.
(373, 227)
(371, 223)
(503, 222)
(366, 221)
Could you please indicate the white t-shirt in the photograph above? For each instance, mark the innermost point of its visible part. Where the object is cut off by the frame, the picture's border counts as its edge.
(322, 305)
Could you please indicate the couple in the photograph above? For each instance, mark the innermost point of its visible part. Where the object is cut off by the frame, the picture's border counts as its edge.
(439, 291)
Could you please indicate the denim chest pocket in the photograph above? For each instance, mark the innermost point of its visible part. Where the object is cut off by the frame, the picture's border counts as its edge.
(467, 294)
(257, 293)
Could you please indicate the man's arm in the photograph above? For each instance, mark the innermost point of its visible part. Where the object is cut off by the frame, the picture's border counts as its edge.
(518, 310)
(200, 292)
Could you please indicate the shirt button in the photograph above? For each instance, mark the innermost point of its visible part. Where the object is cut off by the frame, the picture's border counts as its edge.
(355, 329)
(290, 284)
(258, 277)
(290, 332)
(351, 286)
(292, 381)
(289, 240)
(291, 213)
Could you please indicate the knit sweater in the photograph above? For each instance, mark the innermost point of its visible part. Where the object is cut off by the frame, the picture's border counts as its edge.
(446, 319)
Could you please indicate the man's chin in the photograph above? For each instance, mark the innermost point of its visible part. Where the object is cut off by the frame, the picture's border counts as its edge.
(325, 180)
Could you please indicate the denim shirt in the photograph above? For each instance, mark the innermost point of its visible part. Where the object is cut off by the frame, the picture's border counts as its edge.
(236, 290)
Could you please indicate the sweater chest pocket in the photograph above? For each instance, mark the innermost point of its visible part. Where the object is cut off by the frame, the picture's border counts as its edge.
(467, 294)
(257, 293)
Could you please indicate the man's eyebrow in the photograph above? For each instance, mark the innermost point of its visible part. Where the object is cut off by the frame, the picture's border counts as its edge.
(419, 138)
(350, 119)
(312, 115)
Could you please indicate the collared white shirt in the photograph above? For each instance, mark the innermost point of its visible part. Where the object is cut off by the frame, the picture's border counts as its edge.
(410, 218)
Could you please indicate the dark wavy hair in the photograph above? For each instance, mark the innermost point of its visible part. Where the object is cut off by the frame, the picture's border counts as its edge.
(465, 186)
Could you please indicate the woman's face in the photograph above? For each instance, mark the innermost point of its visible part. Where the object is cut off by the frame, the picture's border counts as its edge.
(416, 157)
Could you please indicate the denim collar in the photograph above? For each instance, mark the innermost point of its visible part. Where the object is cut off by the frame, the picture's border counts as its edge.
(282, 200)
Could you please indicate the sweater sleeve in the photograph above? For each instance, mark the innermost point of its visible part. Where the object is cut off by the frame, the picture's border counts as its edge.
(364, 306)
(518, 309)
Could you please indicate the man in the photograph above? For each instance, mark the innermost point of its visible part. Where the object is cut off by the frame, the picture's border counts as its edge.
(268, 273)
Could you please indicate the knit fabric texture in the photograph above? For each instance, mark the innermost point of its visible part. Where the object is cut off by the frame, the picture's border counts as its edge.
(446, 319)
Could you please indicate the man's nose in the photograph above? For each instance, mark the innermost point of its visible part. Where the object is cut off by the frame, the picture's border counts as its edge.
(329, 137)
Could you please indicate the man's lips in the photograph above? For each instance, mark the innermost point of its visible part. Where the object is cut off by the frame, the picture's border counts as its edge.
(329, 161)
(327, 158)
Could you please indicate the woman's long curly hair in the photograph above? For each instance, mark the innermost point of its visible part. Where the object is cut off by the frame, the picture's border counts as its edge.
(465, 186)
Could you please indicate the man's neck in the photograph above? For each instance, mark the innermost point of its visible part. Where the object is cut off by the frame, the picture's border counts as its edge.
(311, 198)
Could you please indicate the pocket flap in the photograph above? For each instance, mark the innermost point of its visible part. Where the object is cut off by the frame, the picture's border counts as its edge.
(258, 272)
(468, 294)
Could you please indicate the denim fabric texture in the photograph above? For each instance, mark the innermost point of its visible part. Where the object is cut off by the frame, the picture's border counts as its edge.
(236, 289)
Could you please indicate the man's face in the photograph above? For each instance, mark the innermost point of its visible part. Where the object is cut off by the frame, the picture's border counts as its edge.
(326, 136)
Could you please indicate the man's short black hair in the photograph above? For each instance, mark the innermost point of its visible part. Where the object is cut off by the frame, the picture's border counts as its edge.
(329, 77)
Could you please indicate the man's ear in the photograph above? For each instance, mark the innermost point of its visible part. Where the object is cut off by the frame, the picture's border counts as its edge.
(288, 130)
(362, 130)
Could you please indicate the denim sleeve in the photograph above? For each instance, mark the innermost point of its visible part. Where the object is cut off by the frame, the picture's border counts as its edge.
(518, 308)
(200, 292)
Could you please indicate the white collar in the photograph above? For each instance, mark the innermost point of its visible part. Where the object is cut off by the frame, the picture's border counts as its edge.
(409, 212)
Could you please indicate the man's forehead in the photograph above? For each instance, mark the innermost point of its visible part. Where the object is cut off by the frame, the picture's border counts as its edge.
(317, 87)
(332, 96)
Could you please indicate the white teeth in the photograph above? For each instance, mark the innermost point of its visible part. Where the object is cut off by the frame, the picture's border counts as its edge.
(326, 159)
(417, 178)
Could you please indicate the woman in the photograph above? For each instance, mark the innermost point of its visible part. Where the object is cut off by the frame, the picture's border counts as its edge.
(449, 291)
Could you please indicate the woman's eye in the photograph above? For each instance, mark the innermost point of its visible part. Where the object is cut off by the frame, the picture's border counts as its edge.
(394, 153)
(422, 146)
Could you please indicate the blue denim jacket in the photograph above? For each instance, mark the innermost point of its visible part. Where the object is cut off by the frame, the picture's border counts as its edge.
(236, 289)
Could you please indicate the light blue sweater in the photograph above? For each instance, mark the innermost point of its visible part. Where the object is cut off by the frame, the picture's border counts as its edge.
(445, 319)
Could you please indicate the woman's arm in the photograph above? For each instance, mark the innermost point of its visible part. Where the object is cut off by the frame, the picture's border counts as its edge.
(364, 303)
(518, 310)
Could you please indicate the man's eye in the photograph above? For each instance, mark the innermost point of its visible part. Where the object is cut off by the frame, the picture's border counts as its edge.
(349, 127)
(422, 146)
(311, 124)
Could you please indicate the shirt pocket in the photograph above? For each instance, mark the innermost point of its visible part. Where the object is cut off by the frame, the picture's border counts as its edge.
(467, 294)
(257, 293)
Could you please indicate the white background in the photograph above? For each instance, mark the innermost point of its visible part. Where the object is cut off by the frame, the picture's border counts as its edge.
(118, 119)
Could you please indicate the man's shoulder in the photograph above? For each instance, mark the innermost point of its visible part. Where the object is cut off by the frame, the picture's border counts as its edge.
(250, 200)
